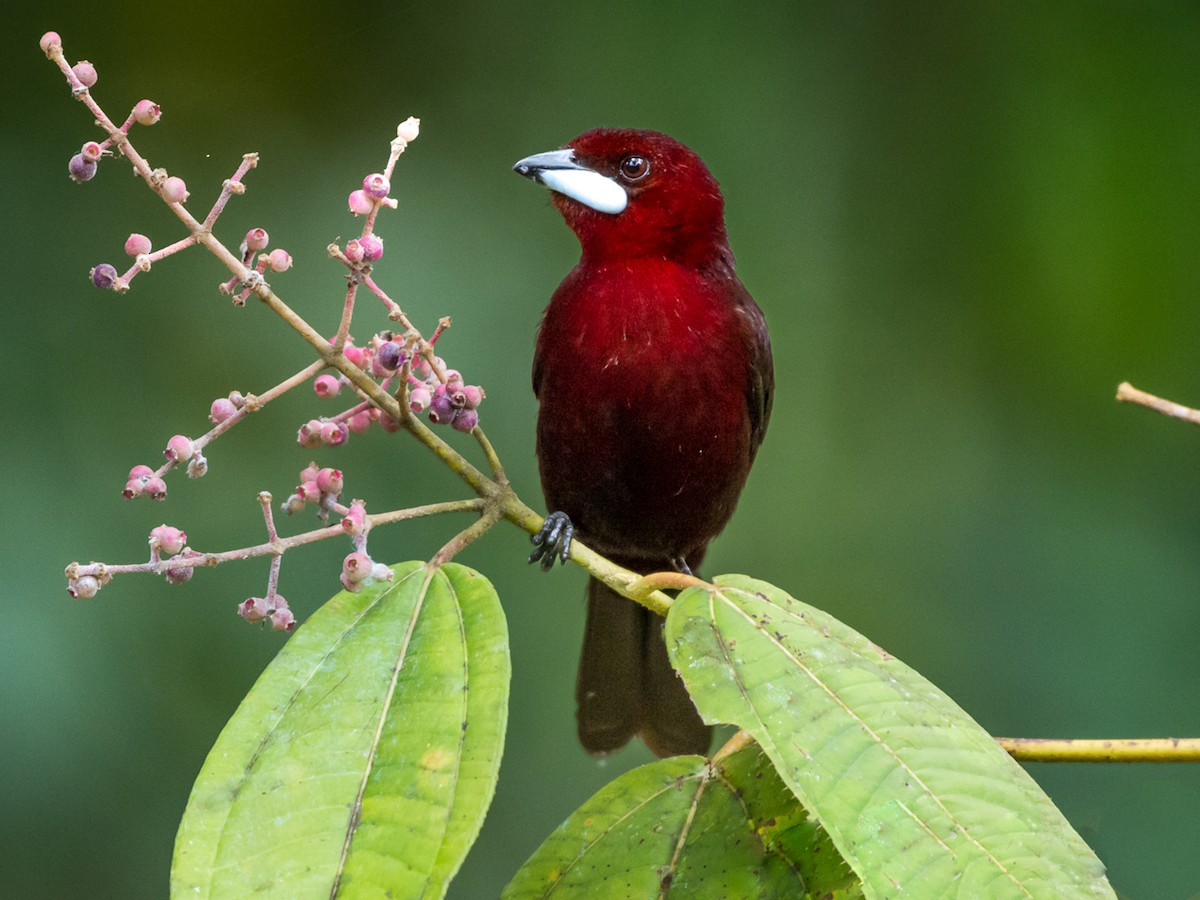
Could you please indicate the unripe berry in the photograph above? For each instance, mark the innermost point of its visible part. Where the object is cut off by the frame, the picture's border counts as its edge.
(167, 539)
(155, 489)
(376, 186)
(49, 41)
(105, 277)
(279, 260)
(85, 72)
(257, 239)
(360, 422)
(355, 521)
(326, 386)
(356, 355)
(354, 250)
(474, 395)
(85, 587)
(388, 424)
(409, 129)
(335, 433)
(222, 408)
(330, 481)
(137, 244)
(419, 398)
(372, 247)
(360, 204)
(91, 150)
(310, 472)
(253, 609)
(356, 568)
(197, 466)
(293, 504)
(142, 472)
(309, 491)
(179, 448)
(175, 190)
(146, 112)
(310, 434)
(133, 488)
(81, 169)
(382, 572)
(283, 620)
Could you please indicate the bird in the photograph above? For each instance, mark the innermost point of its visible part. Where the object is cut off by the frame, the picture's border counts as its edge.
(654, 380)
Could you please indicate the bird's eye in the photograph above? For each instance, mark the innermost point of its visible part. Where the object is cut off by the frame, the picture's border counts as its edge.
(634, 167)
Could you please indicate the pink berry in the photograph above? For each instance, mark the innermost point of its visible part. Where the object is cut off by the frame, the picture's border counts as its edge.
(334, 434)
(175, 190)
(309, 491)
(85, 72)
(360, 422)
(310, 434)
(155, 489)
(279, 260)
(49, 41)
(257, 239)
(419, 399)
(310, 472)
(91, 150)
(168, 539)
(474, 395)
(355, 355)
(355, 521)
(376, 186)
(179, 448)
(137, 244)
(388, 424)
(253, 609)
(142, 472)
(105, 277)
(81, 169)
(465, 420)
(133, 488)
(356, 567)
(326, 386)
(222, 408)
(330, 481)
(283, 620)
(354, 250)
(360, 204)
(372, 247)
(146, 112)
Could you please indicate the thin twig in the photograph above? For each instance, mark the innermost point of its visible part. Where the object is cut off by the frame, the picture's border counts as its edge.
(1127, 393)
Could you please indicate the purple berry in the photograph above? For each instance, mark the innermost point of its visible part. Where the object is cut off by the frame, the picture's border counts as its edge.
(466, 420)
(390, 357)
(441, 412)
(376, 186)
(372, 247)
(105, 277)
(81, 169)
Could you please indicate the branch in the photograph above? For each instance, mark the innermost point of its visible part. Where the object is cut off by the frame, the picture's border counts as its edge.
(1136, 750)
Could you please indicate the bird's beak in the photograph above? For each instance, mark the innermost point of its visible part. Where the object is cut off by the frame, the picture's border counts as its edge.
(559, 171)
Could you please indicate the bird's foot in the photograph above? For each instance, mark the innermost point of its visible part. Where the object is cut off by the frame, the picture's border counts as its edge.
(681, 566)
(553, 540)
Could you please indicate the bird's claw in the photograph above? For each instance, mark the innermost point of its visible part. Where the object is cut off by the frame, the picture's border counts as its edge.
(553, 540)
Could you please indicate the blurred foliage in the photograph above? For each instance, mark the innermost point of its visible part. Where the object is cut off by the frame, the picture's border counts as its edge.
(966, 223)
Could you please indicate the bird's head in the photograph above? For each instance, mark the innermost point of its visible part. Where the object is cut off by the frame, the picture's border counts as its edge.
(628, 193)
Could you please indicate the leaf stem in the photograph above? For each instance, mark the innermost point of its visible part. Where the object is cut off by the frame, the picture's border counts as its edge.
(1103, 750)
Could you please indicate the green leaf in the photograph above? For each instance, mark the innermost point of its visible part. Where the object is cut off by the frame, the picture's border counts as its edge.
(673, 828)
(917, 798)
(785, 827)
(364, 758)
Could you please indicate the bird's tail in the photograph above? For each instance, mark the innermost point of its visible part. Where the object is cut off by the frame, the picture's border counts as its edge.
(626, 684)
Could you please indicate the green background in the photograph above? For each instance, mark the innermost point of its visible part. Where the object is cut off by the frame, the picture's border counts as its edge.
(965, 222)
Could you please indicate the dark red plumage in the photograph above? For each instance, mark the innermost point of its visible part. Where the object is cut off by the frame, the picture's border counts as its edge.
(654, 378)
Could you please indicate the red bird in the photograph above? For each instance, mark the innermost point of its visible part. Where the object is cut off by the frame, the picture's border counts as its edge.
(654, 381)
